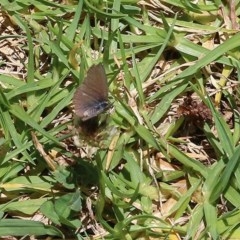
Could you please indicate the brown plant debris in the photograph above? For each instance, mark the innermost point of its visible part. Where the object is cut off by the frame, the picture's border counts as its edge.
(195, 111)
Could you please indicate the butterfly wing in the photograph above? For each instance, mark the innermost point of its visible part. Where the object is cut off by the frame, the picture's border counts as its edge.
(96, 82)
(90, 98)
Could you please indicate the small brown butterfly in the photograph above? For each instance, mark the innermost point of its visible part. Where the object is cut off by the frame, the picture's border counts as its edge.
(91, 98)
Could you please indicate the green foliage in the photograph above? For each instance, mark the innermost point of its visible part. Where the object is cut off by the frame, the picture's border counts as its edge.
(157, 168)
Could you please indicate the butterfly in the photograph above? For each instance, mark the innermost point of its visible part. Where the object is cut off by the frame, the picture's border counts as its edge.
(91, 97)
